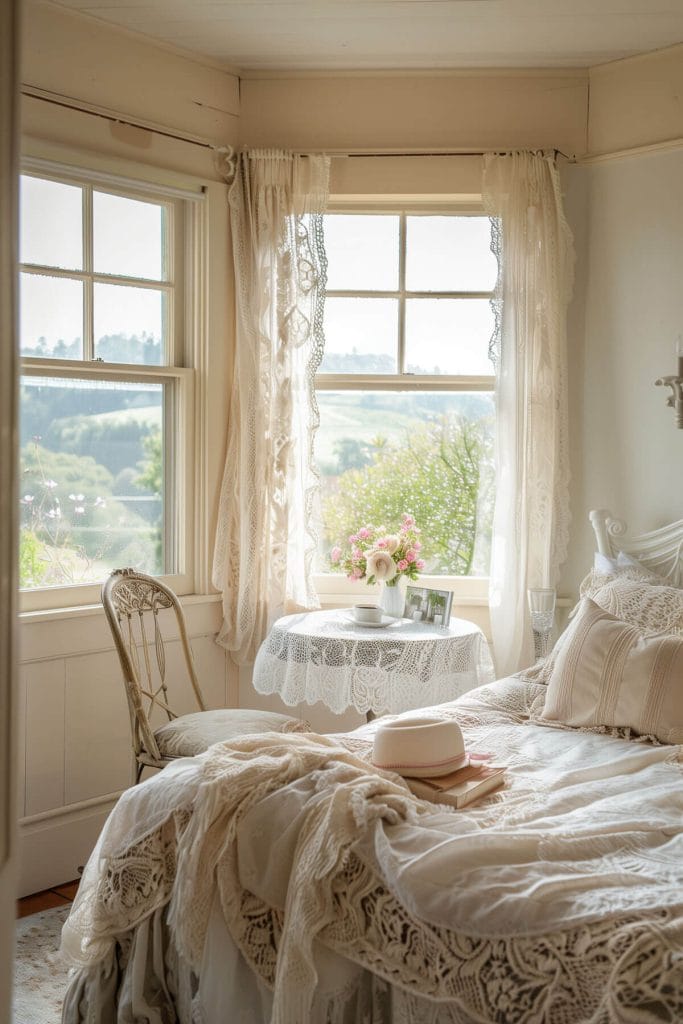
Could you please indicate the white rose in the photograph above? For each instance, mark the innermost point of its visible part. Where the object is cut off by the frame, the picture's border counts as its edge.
(381, 565)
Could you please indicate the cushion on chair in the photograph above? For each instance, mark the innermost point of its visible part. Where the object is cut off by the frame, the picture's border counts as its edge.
(193, 734)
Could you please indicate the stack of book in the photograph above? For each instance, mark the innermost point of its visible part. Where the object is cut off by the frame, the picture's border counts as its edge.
(461, 787)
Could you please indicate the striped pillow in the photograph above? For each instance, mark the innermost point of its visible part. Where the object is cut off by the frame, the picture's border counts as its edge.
(609, 673)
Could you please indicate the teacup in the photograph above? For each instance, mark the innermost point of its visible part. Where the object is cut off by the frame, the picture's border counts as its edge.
(365, 613)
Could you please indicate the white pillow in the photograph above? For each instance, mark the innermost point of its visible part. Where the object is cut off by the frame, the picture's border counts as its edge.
(597, 579)
(653, 608)
(609, 673)
(625, 561)
(604, 564)
(610, 566)
(192, 734)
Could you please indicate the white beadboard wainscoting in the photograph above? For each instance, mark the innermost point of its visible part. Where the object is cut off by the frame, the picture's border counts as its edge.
(75, 754)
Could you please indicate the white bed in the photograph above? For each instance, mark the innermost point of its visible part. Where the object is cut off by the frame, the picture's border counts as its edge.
(282, 878)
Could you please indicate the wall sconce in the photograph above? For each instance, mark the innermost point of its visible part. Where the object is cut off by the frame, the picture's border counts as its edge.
(675, 382)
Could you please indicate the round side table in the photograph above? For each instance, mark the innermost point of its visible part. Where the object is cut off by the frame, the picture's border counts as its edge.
(327, 656)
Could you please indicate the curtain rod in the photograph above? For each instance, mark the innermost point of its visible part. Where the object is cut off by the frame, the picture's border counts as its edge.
(351, 153)
(71, 103)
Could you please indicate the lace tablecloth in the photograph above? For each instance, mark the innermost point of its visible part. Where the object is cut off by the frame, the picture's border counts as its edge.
(326, 656)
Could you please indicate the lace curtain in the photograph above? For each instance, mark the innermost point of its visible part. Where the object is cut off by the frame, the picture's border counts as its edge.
(264, 540)
(531, 519)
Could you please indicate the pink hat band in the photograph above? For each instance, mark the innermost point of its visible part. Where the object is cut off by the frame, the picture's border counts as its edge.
(419, 746)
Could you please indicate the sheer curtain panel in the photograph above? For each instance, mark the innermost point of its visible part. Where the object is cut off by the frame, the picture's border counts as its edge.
(531, 520)
(264, 542)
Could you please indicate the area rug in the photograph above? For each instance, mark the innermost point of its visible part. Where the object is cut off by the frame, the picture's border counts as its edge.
(40, 976)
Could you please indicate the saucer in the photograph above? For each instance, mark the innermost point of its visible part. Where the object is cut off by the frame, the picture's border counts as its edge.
(386, 621)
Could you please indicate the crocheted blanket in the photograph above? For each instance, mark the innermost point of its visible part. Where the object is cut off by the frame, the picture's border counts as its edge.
(557, 901)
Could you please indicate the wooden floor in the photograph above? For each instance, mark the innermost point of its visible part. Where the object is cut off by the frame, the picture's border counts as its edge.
(46, 900)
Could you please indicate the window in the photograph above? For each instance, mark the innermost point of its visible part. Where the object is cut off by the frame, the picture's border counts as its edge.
(103, 393)
(405, 388)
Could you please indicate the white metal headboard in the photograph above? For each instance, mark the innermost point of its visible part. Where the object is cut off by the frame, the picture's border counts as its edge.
(660, 550)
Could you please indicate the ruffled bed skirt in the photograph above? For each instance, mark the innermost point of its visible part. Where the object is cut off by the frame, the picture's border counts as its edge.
(145, 980)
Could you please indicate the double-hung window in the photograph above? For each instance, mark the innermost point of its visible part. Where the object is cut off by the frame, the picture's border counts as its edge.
(405, 387)
(105, 400)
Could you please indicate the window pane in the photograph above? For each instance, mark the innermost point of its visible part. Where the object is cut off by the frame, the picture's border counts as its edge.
(129, 324)
(91, 488)
(51, 224)
(448, 336)
(129, 237)
(380, 454)
(449, 254)
(361, 336)
(51, 317)
(362, 252)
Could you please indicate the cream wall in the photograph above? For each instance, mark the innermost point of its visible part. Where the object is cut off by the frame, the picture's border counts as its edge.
(456, 110)
(625, 205)
(77, 57)
(425, 177)
(627, 452)
(636, 102)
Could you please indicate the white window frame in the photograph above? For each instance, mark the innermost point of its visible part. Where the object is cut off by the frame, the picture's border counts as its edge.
(335, 588)
(186, 318)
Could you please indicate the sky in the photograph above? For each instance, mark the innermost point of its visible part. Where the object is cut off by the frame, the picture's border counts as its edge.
(128, 240)
(443, 335)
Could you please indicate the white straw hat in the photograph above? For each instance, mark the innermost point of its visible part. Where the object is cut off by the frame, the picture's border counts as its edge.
(419, 746)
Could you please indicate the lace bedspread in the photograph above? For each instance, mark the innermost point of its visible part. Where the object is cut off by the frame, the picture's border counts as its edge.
(558, 900)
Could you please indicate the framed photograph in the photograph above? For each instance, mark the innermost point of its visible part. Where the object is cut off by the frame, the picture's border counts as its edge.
(425, 605)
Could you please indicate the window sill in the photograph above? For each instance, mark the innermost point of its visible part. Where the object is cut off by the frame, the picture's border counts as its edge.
(331, 599)
(86, 610)
(467, 590)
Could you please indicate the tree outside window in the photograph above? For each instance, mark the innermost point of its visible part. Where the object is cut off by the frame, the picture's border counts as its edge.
(405, 386)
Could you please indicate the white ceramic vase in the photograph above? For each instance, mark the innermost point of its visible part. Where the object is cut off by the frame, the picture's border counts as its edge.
(392, 599)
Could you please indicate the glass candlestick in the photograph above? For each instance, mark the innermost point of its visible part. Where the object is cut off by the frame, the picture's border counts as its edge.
(542, 612)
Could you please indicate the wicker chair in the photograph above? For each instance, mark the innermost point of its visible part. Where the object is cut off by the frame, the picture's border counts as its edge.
(133, 603)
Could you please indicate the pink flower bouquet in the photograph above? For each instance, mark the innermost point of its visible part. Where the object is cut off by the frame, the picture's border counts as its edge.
(376, 556)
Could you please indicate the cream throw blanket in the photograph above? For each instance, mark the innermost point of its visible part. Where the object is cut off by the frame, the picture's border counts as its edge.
(560, 901)
(350, 796)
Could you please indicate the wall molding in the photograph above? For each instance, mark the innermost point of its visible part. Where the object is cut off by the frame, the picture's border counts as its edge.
(54, 167)
(668, 146)
(71, 811)
(257, 75)
(53, 848)
(10, 17)
(74, 633)
(197, 328)
(637, 58)
(105, 649)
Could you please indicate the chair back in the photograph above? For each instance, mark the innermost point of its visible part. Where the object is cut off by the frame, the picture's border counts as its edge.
(132, 602)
